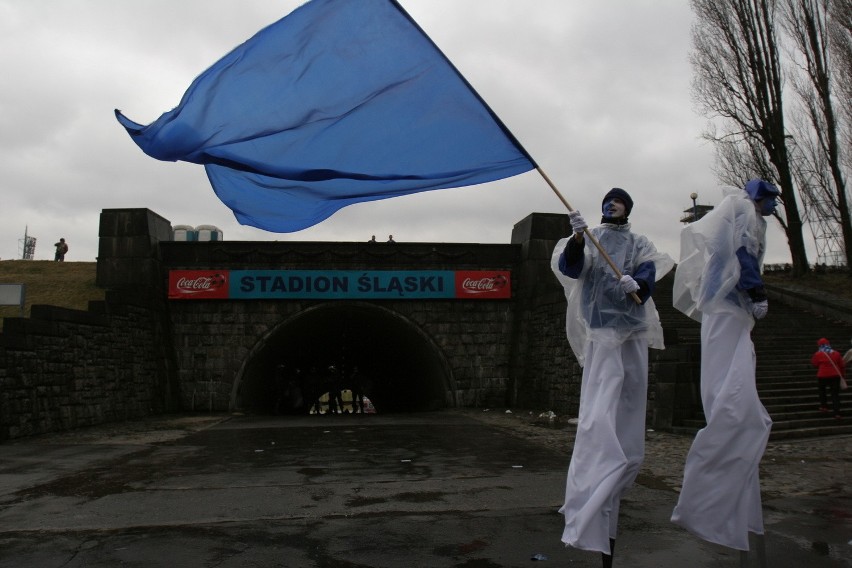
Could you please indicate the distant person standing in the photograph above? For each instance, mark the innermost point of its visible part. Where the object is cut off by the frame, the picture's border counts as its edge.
(334, 384)
(361, 389)
(830, 369)
(61, 249)
(390, 239)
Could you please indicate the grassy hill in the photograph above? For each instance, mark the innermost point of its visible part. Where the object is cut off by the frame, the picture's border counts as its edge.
(63, 284)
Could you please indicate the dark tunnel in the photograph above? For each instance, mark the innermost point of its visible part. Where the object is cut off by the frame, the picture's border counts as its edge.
(400, 369)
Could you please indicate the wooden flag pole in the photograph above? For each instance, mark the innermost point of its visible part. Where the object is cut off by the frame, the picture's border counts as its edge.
(587, 232)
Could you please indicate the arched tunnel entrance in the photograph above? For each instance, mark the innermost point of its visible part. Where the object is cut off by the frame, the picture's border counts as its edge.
(400, 368)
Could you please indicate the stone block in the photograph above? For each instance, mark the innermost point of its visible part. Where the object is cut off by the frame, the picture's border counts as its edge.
(541, 226)
(127, 273)
(141, 246)
(134, 222)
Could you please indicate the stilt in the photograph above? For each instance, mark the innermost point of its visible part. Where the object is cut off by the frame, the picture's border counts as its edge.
(761, 550)
(606, 559)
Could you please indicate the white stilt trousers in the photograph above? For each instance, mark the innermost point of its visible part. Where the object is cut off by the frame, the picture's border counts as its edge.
(720, 499)
(610, 442)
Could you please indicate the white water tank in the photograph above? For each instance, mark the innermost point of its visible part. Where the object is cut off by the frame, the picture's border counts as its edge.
(184, 233)
(208, 233)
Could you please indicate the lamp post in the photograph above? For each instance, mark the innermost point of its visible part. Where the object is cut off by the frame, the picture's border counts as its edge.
(694, 196)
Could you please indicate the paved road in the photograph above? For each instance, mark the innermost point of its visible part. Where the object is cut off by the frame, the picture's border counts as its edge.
(423, 490)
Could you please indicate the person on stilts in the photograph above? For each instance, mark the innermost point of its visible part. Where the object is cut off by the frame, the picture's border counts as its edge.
(610, 322)
(718, 283)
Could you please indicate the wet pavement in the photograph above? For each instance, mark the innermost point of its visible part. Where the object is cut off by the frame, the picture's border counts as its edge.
(461, 489)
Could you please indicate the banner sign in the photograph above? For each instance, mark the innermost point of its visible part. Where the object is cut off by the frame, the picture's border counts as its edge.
(339, 284)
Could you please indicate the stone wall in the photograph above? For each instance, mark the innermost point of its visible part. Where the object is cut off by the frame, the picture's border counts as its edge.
(65, 369)
(136, 353)
(62, 369)
(548, 376)
(215, 348)
(469, 340)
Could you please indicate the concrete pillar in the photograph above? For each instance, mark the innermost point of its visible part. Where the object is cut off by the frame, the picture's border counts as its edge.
(128, 249)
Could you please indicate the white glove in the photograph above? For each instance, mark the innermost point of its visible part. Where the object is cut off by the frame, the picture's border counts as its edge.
(760, 309)
(628, 284)
(578, 224)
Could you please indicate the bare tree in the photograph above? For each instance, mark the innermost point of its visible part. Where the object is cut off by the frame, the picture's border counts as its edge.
(819, 159)
(840, 33)
(738, 82)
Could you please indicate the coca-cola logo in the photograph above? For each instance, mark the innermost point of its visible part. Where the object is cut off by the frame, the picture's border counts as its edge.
(484, 285)
(200, 284)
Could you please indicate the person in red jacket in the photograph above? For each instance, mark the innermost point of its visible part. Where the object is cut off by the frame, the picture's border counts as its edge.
(830, 367)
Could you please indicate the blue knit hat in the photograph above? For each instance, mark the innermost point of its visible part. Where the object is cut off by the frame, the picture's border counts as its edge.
(622, 195)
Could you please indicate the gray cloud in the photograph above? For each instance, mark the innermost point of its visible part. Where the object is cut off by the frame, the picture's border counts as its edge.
(598, 93)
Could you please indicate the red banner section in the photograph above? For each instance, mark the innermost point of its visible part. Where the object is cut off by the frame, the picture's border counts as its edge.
(483, 285)
(198, 284)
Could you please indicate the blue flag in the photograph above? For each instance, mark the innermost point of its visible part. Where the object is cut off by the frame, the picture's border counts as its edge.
(340, 102)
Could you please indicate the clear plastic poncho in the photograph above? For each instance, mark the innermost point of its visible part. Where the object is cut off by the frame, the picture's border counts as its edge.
(598, 309)
(708, 272)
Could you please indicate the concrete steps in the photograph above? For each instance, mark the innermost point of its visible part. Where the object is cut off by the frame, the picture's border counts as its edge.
(784, 342)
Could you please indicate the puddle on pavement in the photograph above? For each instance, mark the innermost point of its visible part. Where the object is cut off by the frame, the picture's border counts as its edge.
(821, 548)
(479, 563)
(365, 501)
(422, 497)
(652, 482)
(312, 472)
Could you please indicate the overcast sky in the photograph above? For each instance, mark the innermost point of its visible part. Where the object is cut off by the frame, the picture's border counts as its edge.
(597, 92)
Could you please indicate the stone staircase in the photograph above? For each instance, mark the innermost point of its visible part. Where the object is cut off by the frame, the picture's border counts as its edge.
(784, 343)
